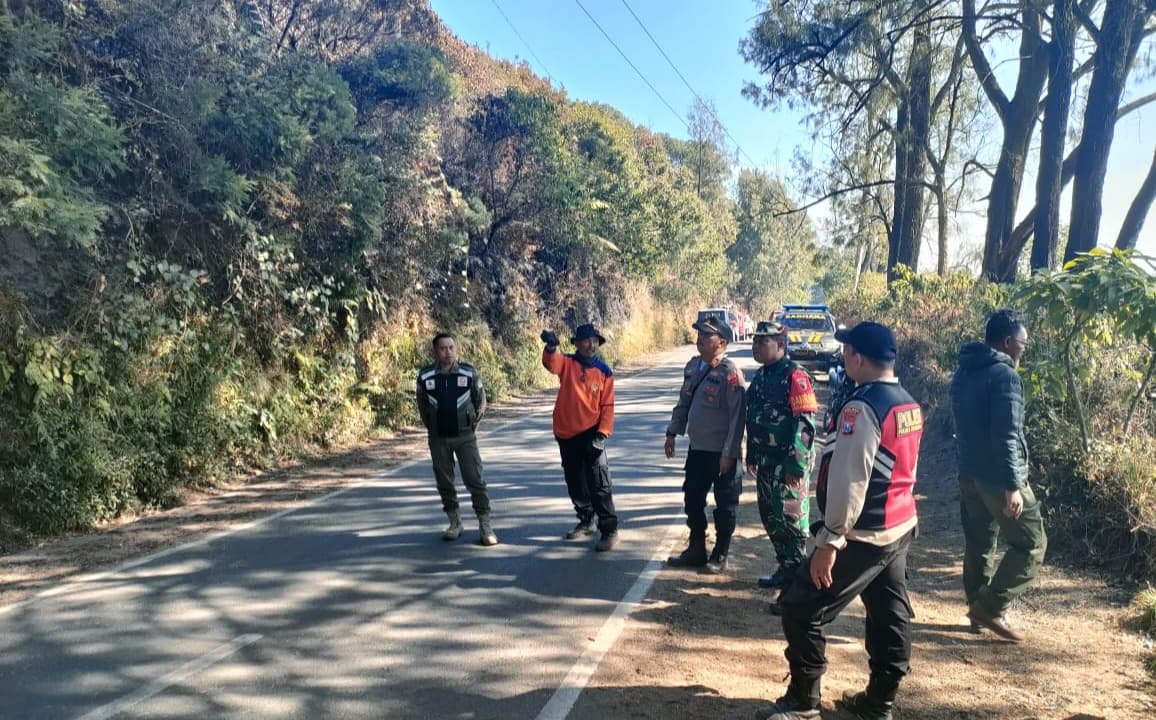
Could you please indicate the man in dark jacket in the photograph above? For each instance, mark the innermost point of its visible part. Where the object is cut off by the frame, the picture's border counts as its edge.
(987, 400)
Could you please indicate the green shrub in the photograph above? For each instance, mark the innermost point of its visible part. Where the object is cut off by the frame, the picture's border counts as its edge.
(71, 473)
(1145, 604)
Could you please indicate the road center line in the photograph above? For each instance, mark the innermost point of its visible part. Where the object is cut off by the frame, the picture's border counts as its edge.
(163, 683)
(563, 699)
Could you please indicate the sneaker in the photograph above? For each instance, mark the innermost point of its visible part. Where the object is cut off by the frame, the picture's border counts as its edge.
(861, 706)
(606, 542)
(996, 623)
(789, 708)
(584, 528)
(716, 564)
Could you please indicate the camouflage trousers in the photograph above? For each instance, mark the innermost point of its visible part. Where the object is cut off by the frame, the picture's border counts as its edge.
(785, 511)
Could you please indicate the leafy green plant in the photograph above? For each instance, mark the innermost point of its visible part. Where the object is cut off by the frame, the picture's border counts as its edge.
(1098, 299)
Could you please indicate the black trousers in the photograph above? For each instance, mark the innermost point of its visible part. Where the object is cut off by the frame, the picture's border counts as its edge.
(876, 574)
(701, 476)
(588, 480)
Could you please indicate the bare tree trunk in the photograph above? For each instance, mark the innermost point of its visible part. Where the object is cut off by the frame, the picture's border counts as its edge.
(919, 89)
(899, 197)
(941, 217)
(1049, 180)
(1026, 228)
(912, 131)
(1018, 117)
(1134, 220)
(860, 259)
(1116, 49)
(288, 24)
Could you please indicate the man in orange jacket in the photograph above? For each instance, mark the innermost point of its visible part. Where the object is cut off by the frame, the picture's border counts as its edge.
(583, 419)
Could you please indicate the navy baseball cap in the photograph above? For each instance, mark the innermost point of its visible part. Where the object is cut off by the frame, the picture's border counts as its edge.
(871, 339)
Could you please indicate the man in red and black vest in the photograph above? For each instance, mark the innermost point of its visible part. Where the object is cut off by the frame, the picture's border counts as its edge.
(864, 489)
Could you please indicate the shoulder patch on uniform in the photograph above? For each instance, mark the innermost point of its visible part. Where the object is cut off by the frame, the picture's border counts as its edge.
(908, 420)
(847, 420)
(802, 394)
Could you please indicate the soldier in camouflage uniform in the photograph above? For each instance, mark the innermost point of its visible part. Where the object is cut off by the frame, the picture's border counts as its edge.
(781, 407)
(842, 385)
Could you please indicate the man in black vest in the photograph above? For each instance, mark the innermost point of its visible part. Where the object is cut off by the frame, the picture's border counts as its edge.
(864, 489)
(452, 400)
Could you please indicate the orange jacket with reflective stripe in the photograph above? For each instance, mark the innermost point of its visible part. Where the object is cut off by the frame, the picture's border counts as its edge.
(585, 395)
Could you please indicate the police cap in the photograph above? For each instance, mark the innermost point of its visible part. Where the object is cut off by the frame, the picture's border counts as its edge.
(870, 339)
(713, 325)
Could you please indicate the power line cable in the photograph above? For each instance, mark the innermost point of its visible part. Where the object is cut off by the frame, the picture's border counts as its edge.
(687, 82)
(632, 65)
(524, 42)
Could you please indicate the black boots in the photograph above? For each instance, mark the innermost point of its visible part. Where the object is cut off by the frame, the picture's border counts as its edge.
(695, 553)
(874, 703)
(800, 702)
(717, 563)
(584, 528)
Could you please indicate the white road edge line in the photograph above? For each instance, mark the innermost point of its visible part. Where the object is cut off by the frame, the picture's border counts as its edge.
(564, 698)
(163, 683)
(75, 583)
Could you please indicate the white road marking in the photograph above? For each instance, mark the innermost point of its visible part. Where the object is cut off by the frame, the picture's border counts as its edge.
(563, 699)
(163, 683)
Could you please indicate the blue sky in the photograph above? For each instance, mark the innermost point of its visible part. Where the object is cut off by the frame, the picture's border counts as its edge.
(701, 36)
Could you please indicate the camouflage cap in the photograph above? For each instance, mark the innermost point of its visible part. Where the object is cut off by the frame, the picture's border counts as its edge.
(770, 328)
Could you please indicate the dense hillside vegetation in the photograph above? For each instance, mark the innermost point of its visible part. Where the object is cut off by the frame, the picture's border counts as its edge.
(229, 229)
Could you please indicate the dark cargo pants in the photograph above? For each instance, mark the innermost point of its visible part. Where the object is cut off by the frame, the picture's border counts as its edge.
(588, 480)
(877, 575)
(981, 510)
(465, 446)
(701, 476)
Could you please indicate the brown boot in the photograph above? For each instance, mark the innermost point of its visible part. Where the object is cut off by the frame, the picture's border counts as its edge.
(996, 623)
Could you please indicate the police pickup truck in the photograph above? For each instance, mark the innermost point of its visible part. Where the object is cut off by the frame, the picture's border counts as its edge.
(811, 336)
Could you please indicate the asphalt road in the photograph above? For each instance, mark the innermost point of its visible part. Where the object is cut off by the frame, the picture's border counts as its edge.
(352, 606)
